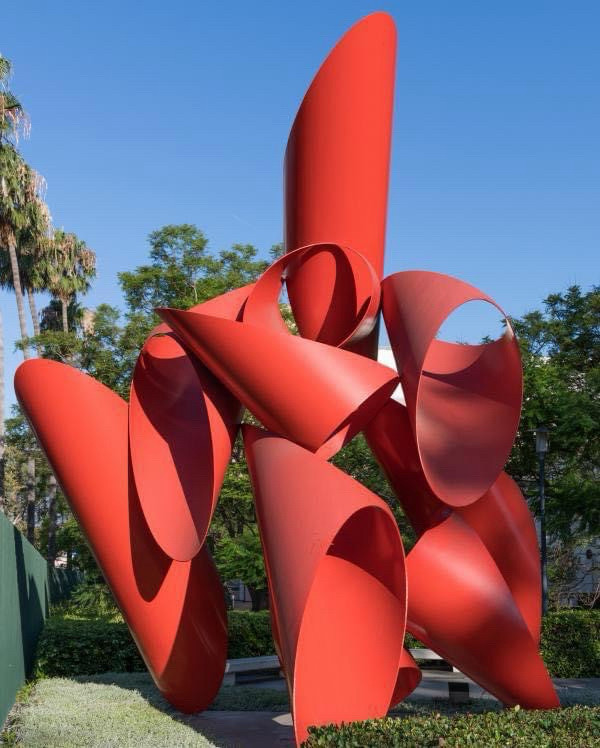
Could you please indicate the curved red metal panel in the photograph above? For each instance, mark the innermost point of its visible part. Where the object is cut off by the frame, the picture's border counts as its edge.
(310, 392)
(460, 605)
(336, 576)
(464, 401)
(345, 294)
(409, 677)
(336, 165)
(175, 610)
(470, 553)
(504, 523)
(182, 425)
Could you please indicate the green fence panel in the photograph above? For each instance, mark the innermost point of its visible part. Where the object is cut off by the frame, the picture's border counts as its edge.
(26, 590)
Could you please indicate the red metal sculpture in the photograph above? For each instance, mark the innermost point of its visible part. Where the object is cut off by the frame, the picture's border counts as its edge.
(144, 479)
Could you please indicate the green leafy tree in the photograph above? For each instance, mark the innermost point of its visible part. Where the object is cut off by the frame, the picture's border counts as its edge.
(182, 272)
(27, 476)
(560, 348)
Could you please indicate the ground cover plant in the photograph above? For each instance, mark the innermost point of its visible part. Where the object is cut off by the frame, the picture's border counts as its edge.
(70, 714)
(126, 709)
(575, 727)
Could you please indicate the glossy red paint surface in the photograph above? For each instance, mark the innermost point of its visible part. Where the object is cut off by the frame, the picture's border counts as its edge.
(345, 294)
(180, 440)
(464, 401)
(474, 574)
(143, 480)
(182, 425)
(312, 393)
(337, 158)
(175, 610)
(336, 575)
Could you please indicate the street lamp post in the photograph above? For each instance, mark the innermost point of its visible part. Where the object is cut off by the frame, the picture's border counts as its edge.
(541, 447)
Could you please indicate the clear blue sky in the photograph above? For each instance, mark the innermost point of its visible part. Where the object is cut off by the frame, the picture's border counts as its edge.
(165, 112)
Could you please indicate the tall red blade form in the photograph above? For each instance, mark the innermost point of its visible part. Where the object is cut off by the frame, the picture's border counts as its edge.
(464, 401)
(182, 425)
(314, 394)
(485, 614)
(336, 167)
(336, 575)
(175, 610)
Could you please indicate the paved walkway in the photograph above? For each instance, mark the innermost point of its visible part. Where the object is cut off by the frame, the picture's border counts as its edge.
(274, 729)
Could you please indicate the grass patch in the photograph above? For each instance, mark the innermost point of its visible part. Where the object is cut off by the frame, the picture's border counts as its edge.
(229, 698)
(126, 709)
(66, 713)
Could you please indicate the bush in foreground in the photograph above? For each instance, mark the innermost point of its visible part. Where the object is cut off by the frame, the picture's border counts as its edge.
(574, 727)
(571, 643)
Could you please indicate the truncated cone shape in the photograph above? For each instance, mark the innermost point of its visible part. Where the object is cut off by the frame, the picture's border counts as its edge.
(334, 562)
(460, 605)
(314, 394)
(464, 401)
(484, 562)
(182, 425)
(175, 610)
(504, 523)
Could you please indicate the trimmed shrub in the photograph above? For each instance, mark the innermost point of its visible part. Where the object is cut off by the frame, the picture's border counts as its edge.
(75, 646)
(574, 727)
(79, 646)
(570, 644)
(249, 634)
(71, 646)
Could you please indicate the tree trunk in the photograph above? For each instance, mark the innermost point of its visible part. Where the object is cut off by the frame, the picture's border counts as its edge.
(30, 488)
(52, 515)
(2, 498)
(260, 598)
(65, 318)
(14, 266)
(34, 319)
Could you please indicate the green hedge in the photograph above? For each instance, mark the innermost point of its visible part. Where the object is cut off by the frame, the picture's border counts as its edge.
(574, 727)
(249, 634)
(570, 643)
(76, 646)
(72, 646)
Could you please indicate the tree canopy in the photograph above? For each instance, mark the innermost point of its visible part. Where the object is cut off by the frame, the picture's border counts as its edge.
(560, 347)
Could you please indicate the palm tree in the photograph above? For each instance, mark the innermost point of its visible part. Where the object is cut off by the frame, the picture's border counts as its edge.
(31, 241)
(68, 264)
(19, 209)
(13, 119)
(17, 184)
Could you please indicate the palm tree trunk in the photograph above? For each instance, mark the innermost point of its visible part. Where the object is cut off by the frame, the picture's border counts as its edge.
(2, 498)
(52, 516)
(14, 265)
(34, 318)
(30, 488)
(65, 318)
